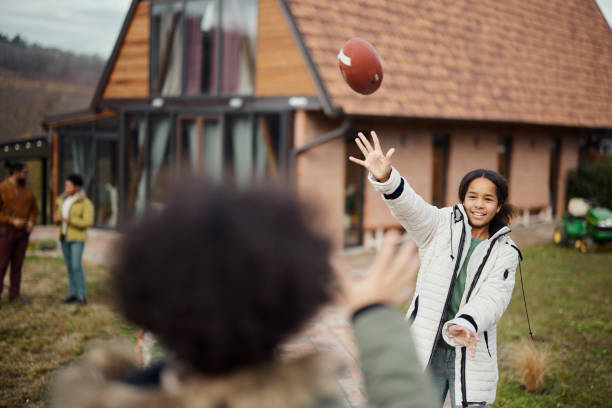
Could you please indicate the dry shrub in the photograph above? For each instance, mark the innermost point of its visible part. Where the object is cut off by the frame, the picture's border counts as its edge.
(532, 364)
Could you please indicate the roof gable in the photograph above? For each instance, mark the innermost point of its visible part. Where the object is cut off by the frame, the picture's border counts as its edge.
(283, 67)
(110, 63)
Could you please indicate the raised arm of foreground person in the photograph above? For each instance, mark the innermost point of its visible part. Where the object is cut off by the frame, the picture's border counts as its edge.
(393, 376)
(419, 218)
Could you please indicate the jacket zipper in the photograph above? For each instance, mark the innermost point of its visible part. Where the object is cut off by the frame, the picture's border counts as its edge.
(463, 386)
(415, 311)
(464, 401)
(480, 268)
(486, 335)
(450, 290)
(472, 286)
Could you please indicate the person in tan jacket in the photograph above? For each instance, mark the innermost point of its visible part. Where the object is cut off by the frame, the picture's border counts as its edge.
(18, 213)
(74, 213)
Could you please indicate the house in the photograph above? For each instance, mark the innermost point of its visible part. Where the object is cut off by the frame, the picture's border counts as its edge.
(250, 90)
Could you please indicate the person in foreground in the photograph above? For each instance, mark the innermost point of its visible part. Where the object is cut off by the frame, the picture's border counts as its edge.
(466, 276)
(222, 277)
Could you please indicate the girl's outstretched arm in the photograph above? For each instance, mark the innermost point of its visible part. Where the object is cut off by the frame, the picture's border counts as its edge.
(419, 218)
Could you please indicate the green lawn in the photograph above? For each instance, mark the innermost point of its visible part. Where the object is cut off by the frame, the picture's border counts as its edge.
(569, 297)
(39, 334)
(570, 304)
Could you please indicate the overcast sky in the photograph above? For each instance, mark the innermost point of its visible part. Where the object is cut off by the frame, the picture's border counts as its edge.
(85, 26)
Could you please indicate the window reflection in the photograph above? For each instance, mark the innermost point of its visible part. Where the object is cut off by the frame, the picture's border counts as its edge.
(201, 27)
(255, 144)
(239, 42)
(166, 48)
(135, 175)
(159, 157)
(107, 209)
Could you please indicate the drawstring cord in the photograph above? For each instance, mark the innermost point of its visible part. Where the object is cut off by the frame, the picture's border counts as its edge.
(525, 302)
(451, 230)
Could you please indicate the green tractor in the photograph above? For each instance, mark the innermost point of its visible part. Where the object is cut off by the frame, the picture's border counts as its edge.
(584, 226)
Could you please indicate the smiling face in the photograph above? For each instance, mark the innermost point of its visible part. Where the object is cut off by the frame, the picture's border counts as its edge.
(481, 203)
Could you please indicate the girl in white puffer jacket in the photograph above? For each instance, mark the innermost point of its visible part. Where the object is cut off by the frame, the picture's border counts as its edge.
(466, 277)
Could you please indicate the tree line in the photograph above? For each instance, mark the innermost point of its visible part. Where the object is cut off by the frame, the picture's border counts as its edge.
(16, 54)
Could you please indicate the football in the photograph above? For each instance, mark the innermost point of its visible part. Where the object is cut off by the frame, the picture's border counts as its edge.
(360, 66)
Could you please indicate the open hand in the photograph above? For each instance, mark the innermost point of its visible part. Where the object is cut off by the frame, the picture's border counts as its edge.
(18, 222)
(378, 163)
(464, 337)
(390, 279)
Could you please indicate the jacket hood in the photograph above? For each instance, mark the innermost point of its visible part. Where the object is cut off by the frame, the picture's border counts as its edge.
(97, 381)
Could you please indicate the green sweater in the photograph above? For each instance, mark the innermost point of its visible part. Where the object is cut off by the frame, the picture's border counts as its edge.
(459, 288)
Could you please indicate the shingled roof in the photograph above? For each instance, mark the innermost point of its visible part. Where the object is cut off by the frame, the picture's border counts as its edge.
(528, 61)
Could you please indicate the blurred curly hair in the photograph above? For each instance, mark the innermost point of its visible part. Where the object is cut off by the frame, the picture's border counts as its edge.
(222, 276)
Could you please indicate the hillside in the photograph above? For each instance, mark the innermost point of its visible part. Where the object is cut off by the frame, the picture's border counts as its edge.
(36, 82)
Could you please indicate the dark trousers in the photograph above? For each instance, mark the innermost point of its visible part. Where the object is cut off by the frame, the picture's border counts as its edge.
(13, 245)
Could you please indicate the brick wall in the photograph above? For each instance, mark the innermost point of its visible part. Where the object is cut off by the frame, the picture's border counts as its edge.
(470, 148)
(570, 148)
(320, 174)
(413, 158)
(530, 169)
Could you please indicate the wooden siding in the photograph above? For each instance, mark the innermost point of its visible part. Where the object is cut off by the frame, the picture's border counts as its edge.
(130, 74)
(281, 69)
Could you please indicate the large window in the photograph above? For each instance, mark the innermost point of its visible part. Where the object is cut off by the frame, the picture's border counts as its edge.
(135, 175)
(252, 148)
(203, 47)
(201, 145)
(244, 149)
(107, 210)
(148, 160)
(91, 150)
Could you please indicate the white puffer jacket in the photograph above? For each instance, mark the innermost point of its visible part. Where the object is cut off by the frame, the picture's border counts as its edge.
(443, 237)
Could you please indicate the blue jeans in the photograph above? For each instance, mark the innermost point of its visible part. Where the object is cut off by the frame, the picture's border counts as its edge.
(73, 254)
(442, 370)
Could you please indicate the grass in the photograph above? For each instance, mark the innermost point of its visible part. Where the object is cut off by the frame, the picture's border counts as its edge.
(39, 334)
(569, 296)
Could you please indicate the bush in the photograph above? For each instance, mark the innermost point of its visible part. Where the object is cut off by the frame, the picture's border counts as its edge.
(46, 245)
(592, 181)
(532, 365)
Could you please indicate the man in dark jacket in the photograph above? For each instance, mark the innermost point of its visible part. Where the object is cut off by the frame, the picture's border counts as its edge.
(18, 212)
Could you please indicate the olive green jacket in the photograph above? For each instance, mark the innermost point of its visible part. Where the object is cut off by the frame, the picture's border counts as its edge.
(393, 377)
(81, 217)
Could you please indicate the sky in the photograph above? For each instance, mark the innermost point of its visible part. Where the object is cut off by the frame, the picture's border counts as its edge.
(86, 26)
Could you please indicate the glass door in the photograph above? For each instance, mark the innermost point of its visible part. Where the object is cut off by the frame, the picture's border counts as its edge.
(200, 146)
